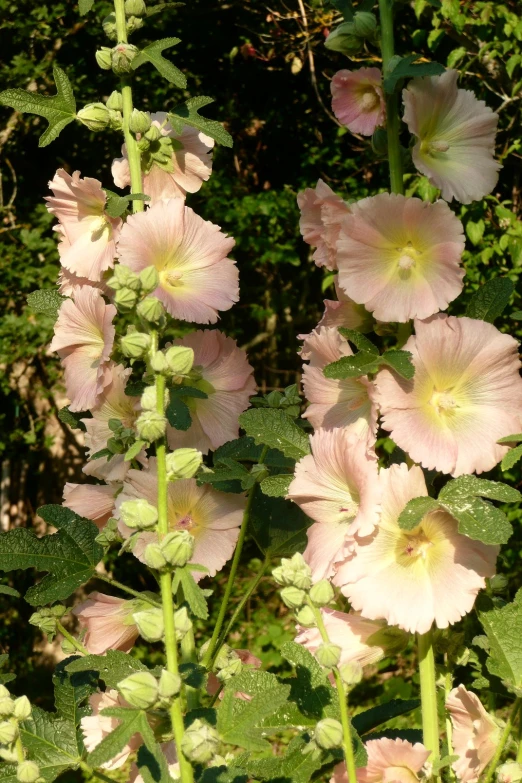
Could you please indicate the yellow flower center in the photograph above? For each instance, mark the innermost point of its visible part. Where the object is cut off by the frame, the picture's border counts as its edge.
(407, 259)
(434, 147)
(97, 226)
(186, 522)
(369, 100)
(417, 546)
(444, 402)
(171, 279)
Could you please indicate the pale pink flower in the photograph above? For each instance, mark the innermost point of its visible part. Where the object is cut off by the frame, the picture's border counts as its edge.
(475, 734)
(226, 377)
(322, 214)
(69, 284)
(345, 312)
(190, 254)
(190, 165)
(338, 487)
(465, 395)
(87, 234)
(336, 403)
(455, 137)
(91, 501)
(413, 578)
(400, 256)
(169, 751)
(83, 338)
(112, 404)
(213, 518)
(213, 684)
(389, 761)
(108, 623)
(357, 99)
(96, 727)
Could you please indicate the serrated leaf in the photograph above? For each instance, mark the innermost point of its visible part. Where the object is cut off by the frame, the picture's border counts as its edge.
(116, 205)
(231, 471)
(361, 363)
(134, 450)
(74, 420)
(310, 689)
(84, 6)
(239, 722)
(188, 114)
(414, 512)
(152, 766)
(376, 716)
(59, 110)
(131, 722)
(221, 774)
(111, 668)
(51, 741)
(295, 766)
(245, 449)
(511, 458)
(361, 342)
(276, 486)
(479, 520)
(278, 526)
(490, 301)
(70, 556)
(46, 301)
(468, 486)
(406, 68)
(275, 429)
(153, 54)
(502, 627)
(6, 590)
(400, 361)
(192, 592)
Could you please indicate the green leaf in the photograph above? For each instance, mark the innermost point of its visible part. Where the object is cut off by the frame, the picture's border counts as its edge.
(511, 458)
(516, 438)
(152, 765)
(490, 301)
(361, 363)
(84, 6)
(192, 592)
(59, 110)
(233, 471)
(153, 54)
(310, 688)
(376, 716)
(116, 205)
(295, 766)
(131, 722)
(111, 668)
(157, 9)
(245, 449)
(516, 315)
(479, 520)
(502, 627)
(361, 342)
(70, 556)
(52, 741)
(276, 486)
(74, 420)
(475, 231)
(178, 413)
(46, 301)
(471, 486)
(415, 510)
(188, 114)
(275, 429)
(6, 590)
(406, 68)
(278, 526)
(134, 450)
(400, 361)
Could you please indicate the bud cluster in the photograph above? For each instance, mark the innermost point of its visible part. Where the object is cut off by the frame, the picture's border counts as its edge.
(173, 551)
(151, 624)
(130, 287)
(350, 36)
(12, 713)
(46, 618)
(200, 742)
(227, 664)
(144, 691)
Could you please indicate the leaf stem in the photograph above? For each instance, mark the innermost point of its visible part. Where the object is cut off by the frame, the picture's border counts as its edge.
(129, 590)
(70, 638)
(392, 100)
(430, 718)
(503, 741)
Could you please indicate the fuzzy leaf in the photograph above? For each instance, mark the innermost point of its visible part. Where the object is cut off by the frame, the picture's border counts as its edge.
(192, 592)
(134, 450)
(188, 114)
(6, 590)
(415, 510)
(111, 668)
(471, 486)
(178, 414)
(52, 741)
(275, 429)
(84, 6)
(239, 722)
(74, 420)
(310, 689)
(479, 519)
(361, 342)
(511, 458)
(227, 470)
(278, 526)
(131, 722)
(244, 449)
(502, 627)
(59, 110)
(152, 766)
(406, 68)
(295, 766)
(116, 205)
(157, 9)
(490, 301)
(46, 301)
(361, 363)
(375, 716)
(400, 361)
(516, 438)
(153, 54)
(276, 486)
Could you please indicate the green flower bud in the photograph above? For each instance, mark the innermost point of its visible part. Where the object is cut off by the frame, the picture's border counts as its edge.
(6, 707)
(140, 690)
(498, 583)
(58, 610)
(143, 144)
(322, 593)
(365, 24)
(151, 426)
(109, 28)
(169, 684)
(351, 673)
(200, 742)
(109, 534)
(8, 755)
(380, 142)
(135, 8)
(115, 120)
(139, 514)
(4, 692)
(150, 623)
(94, 116)
(135, 344)
(139, 121)
(115, 100)
(293, 597)
(182, 622)
(183, 464)
(45, 622)
(231, 670)
(177, 547)
(306, 617)
(510, 772)
(151, 309)
(134, 23)
(344, 39)
(68, 647)
(159, 362)
(329, 734)
(154, 557)
(153, 133)
(123, 277)
(104, 58)
(27, 772)
(125, 299)
(122, 56)
(180, 359)
(149, 279)
(8, 732)
(328, 654)
(148, 399)
(293, 571)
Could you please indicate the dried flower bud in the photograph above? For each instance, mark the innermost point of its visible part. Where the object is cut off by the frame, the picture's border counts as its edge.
(122, 56)
(151, 426)
(329, 734)
(139, 514)
(177, 547)
(169, 684)
(104, 58)
(6, 707)
(139, 121)
(150, 623)
(22, 708)
(139, 689)
(200, 742)
(115, 100)
(94, 116)
(293, 597)
(322, 593)
(135, 345)
(182, 622)
(8, 732)
(183, 464)
(149, 279)
(150, 309)
(27, 772)
(306, 617)
(154, 557)
(135, 8)
(180, 359)
(125, 299)
(328, 654)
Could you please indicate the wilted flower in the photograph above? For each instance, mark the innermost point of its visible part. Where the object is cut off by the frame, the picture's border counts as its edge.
(357, 99)
(389, 761)
(96, 727)
(475, 734)
(108, 622)
(322, 214)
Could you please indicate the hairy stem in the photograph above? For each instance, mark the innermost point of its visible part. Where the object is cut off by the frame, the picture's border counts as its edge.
(504, 737)
(392, 100)
(129, 590)
(70, 638)
(189, 655)
(430, 718)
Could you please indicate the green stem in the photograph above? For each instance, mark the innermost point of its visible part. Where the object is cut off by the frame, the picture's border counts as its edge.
(189, 655)
(503, 741)
(448, 685)
(129, 590)
(392, 100)
(95, 773)
(519, 752)
(70, 638)
(19, 748)
(430, 718)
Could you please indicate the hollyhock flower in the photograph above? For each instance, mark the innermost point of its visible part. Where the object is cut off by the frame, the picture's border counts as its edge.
(413, 578)
(345, 312)
(91, 501)
(225, 375)
(189, 167)
(475, 734)
(113, 404)
(190, 254)
(357, 99)
(169, 751)
(465, 395)
(389, 761)
(108, 622)
(400, 256)
(87, 234)
(322, 214)
(338, 487)
(96, 727)
(336, 403)
(69, 284)
(213, 518)
(455, 137)
(213, 684)
(83, 338)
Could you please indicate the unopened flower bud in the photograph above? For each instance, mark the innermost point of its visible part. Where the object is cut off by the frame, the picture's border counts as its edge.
(322, 593)
(306, 617)
(183, 464)
(150, 623)
(149, 279)
(159, 362)
(104, 58)
(180, 359)
(200, 742)
(8, 732)
(134, 23)
(4, 692)
(344, 39)
(380, 142)
(151, 309)
(6, 707)
(154, 557)
(27, 772)
(11, 756)
(151, 426)
(139, 121)
(329, 734)
(510, 772)
(365, 24)
(139, 689)
(328, 654)
(125, 299)
(115, 100)
(351, 673)
(177, 547)
(68, 647)
(230, 670)
(149, 398)
(135, 8)
(143, 144)
(109, 27)
(45, 622)
(293, 597)
(123, 277)
(498, 583)
(109, 534)
(153, 133)
(169, 684)
(94, 116)
(115, 120)
(139, 514)
(182, 622)
(135, 344)
(122, 56)
(294, 571)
